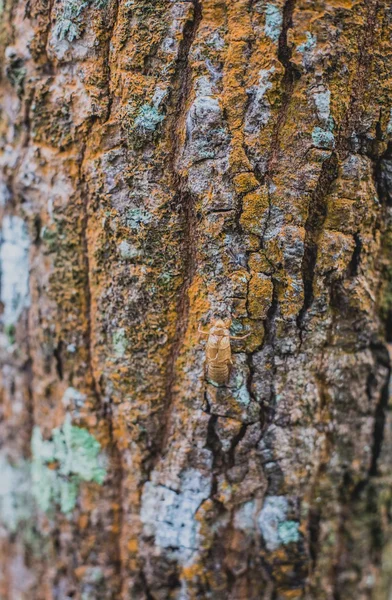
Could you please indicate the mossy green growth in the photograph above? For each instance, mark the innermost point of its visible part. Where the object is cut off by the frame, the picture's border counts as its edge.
(50, 237)
(10, 331)
(61, 464)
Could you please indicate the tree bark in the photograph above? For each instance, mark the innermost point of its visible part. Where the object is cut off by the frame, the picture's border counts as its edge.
(164, 163)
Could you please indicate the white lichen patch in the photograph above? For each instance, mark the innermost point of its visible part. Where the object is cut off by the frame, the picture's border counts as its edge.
(5, 194)
(322, 101)
(245, 516)
(259, 110)
(73, 397)
(127, 250)
(274, 526)
(14, 269)
(15, 498)
(73, 401)
(170, 515)
(120, 342)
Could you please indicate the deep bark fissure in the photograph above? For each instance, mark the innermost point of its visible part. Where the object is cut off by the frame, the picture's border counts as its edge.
(184, 201)
(355, 262)
(58, 355)
(84, 192)
(182, 74)
(290, 75)
(145, 586)
(313, 229)
(381, 356)
(270, 338)
(234, 443)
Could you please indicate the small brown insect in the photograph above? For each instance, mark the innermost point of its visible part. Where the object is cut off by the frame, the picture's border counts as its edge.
(218, 350)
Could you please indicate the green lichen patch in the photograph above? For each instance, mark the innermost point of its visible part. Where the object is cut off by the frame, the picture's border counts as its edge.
(323, 138)
(141, 122)
(69, 19)
(308, 44)
(288, 532)
(137, 217)
(273, 22)
(147, 119)
(61, 464)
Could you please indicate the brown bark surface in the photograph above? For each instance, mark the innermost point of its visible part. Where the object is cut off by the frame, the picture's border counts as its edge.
(164, 163)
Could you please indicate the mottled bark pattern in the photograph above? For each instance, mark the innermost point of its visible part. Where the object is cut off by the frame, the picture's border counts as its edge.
(165, 162)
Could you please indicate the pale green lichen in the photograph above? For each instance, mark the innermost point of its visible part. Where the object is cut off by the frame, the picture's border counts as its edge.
(288, 532)
(273, 22)
(120, 342)
(69, 19)
(147, 119)
(136, 217)
(309, 43)
(61, 464)
(323, 138)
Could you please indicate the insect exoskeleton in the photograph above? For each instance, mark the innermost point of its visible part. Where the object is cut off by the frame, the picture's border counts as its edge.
(218, 350)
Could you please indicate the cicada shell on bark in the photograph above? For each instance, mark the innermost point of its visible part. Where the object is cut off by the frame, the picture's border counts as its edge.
(218, 350)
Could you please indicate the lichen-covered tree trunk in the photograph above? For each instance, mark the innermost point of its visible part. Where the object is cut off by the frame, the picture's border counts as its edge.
(165, 162)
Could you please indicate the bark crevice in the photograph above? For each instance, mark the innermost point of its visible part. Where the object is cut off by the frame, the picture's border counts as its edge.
(313, 229)
(184, 202)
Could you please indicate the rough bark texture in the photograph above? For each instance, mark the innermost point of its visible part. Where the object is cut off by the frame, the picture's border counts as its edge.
(164, 162)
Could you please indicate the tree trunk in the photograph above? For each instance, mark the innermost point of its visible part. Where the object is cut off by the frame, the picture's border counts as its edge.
(165, 163)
